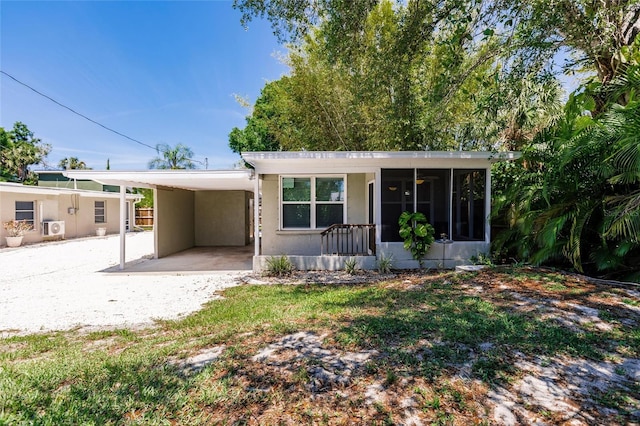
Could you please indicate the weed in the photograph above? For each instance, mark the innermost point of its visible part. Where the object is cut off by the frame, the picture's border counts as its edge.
(555, 287)
(620, 371)
(482, 259)
(279, 266)
(390, 378)
(433, 403)
(617, 399)
(371, 368)
(302, 375)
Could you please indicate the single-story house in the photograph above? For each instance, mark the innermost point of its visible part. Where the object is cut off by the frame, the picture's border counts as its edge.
(57, 213)
(321, 208)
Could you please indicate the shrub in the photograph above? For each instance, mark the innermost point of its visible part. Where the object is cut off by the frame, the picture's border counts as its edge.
(279, 266)
(385, 264)
(351, 266)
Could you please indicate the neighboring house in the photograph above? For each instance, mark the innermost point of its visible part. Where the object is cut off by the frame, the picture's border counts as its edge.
(57, 213)
(55, 179)
(320, 208)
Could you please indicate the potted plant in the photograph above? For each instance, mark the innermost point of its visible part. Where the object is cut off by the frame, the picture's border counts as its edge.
(101, 231)
(15, 231)
(417, 234)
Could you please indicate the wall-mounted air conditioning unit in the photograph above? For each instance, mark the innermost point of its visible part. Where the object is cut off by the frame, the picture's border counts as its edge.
(52, 228)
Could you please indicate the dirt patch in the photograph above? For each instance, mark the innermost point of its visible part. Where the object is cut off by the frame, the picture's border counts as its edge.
(564, 389)
(537, 389)
(326, 368)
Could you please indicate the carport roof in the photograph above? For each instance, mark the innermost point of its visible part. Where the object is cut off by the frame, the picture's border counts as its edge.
(193, 180)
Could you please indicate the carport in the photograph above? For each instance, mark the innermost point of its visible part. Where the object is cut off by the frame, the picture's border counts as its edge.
(192, 208)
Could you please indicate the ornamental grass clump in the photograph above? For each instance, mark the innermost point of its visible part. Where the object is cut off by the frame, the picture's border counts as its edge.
(279, 266)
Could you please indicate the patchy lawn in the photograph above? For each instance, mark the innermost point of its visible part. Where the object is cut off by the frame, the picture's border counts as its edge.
(504, 346)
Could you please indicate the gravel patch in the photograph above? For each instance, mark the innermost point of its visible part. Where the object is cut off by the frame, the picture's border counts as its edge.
(62, 286)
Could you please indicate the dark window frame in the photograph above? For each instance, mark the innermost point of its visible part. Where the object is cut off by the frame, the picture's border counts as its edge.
(96, 211)
(452, 222)
(26, 214)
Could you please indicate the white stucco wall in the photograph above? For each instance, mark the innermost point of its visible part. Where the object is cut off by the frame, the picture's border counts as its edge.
(456, 253)
(55, 207)
(304, 242)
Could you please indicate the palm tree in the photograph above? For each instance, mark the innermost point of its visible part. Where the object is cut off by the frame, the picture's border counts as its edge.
(579, 199)
(72, 163)
(179, 157)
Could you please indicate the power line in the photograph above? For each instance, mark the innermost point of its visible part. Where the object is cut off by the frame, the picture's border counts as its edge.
(76, 112)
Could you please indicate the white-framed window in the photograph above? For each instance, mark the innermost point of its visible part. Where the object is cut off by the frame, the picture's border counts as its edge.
(26, 210)
(312, 202)
(100, 211)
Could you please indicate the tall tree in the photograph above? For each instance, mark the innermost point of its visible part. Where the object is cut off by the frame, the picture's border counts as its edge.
(19, 149)
(397, 93)
(178, 157)
(527, 35)
(265, 123)
(72, 163)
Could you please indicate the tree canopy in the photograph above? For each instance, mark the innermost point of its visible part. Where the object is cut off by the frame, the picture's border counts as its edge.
(409, 77)
(528, 32)
(177, 157)
(72, 163)
(19, 149)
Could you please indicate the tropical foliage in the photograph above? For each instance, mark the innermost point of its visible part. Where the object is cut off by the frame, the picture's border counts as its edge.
(417, 234)
(19, 149)
(576, 198)
(178, 157)
(72, 163)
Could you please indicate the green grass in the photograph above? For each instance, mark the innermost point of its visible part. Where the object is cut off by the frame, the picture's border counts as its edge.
(421, 333)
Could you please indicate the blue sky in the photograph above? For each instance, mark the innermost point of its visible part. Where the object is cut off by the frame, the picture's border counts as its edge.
(157, 71)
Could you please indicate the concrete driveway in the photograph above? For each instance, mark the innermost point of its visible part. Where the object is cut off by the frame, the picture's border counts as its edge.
(64, 285)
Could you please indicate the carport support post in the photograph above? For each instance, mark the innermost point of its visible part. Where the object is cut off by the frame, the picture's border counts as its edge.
(256, 214)
(123, 223)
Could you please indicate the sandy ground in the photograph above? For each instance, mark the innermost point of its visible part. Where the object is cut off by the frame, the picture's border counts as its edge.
(61, 286)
